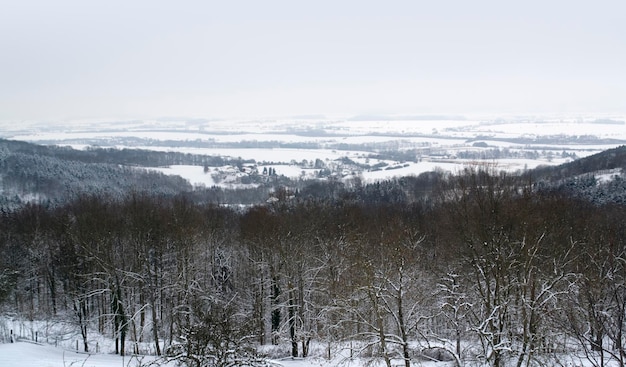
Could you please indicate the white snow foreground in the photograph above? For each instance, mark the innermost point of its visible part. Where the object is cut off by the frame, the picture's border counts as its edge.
(26, 354)
(29, 354)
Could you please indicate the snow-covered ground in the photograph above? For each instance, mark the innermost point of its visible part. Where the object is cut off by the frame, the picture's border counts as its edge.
(26, 354)
(437, 142)
(29, 354)
(603, 126)
(197, 177)
(57, 343)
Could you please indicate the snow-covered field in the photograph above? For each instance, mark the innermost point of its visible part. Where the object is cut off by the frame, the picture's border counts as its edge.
(26, 354)
(293, 129)
(56, 343)
(438, 142)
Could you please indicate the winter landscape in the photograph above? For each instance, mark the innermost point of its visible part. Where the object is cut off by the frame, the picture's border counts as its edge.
(312, 184)
(355, 247)
(368, 148)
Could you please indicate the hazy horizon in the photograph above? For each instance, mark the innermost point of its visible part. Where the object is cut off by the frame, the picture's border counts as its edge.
(70, 60)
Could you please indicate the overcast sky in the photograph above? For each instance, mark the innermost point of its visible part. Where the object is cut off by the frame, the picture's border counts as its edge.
(145, 58)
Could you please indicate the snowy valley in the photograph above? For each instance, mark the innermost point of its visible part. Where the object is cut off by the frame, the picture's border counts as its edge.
(365, 148)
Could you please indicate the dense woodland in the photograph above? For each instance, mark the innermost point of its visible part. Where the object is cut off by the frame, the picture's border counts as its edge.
(479, 267)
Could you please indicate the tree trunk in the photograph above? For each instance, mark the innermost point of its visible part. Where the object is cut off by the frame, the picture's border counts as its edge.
(155, 330)
(305, 347)
(380, 325)
(292, 326)
(403, 334)
(83, 327)
(276, 317)
(119, 317)
(81, 312)
(142, 317)
(53, 292)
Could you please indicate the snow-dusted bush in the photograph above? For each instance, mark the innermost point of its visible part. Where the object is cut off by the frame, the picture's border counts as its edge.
(219, 336)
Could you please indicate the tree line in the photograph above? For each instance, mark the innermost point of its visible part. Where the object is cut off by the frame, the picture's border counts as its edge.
(486, 268)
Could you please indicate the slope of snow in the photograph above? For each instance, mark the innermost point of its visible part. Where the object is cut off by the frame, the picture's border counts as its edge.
(24, 354)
